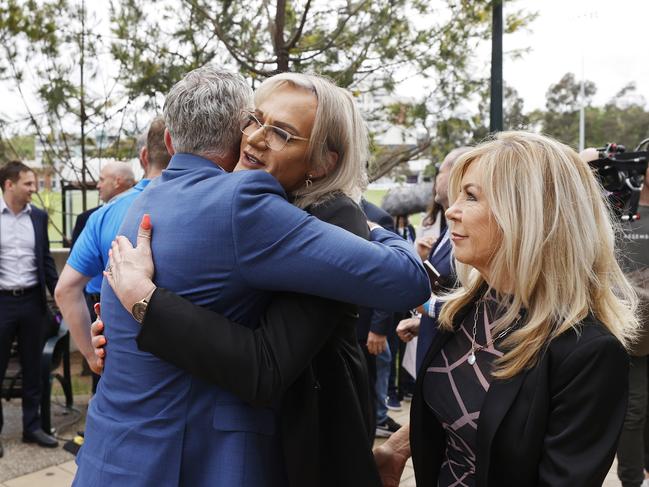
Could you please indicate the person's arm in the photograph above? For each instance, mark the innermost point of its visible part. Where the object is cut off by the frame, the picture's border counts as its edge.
(587, 408)
(72, 303)
(380, 324)
(279, 247)
(256, 365)
(391, 456)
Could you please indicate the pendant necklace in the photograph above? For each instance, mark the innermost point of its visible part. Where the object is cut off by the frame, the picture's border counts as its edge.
(471, 357)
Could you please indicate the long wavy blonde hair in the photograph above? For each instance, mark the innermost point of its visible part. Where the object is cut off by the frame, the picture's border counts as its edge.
(557, 256)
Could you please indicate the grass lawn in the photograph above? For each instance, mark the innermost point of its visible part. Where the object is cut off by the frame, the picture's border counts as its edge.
(51, 202)
(376, 196)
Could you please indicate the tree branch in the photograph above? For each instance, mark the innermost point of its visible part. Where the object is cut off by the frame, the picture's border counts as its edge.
(238, 57)
(394, 158)
(298, 33)
(334, 36)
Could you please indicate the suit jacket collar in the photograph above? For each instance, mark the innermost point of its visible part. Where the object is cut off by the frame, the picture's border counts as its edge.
(4, 206)
(443, 253)
(35, 216)
(190, 161)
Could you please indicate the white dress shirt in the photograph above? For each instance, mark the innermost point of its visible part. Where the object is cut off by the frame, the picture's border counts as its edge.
(17, 249)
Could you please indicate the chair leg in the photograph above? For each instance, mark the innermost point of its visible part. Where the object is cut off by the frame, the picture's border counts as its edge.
(67, 380)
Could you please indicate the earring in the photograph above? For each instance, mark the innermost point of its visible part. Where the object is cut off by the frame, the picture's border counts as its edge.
(308, 181)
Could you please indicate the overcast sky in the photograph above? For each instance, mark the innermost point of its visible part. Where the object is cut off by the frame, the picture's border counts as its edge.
(611, 36)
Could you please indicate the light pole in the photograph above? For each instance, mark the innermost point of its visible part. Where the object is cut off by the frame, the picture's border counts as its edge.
(496, 106)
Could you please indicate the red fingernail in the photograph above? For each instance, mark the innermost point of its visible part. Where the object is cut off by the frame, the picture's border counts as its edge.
(97, 308)
(146, 222)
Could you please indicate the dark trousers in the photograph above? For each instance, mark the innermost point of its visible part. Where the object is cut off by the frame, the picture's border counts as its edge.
(400, 382)
(22, 317)
(370, 360)
(632, 450)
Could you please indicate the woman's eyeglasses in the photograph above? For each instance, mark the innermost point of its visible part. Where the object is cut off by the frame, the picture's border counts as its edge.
(274, 137)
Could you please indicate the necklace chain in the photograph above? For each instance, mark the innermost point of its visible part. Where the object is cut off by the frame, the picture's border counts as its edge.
(471, 357)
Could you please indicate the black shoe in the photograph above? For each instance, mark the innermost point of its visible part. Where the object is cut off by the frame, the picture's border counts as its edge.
(2, 451)
(40, 438)
(385, 430)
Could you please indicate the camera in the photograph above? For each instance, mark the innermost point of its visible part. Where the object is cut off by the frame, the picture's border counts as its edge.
(622, 173)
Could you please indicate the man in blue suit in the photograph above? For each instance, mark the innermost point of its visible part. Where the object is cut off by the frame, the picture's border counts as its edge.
(26, 271)
(222, 241)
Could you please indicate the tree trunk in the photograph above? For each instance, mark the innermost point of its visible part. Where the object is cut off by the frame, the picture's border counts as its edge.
(281, 49)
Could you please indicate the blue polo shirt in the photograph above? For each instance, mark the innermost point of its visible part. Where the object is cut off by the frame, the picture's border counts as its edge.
(90, 253)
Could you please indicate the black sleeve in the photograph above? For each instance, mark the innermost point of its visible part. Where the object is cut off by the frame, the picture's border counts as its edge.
(51, 276)
(588, 405)
(256, 365)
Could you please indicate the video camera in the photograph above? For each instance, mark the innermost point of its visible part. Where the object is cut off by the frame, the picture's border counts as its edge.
(622, 176)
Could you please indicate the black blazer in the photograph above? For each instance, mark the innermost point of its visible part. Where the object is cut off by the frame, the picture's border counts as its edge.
(557, 424)
(304, 356)
(47, 275)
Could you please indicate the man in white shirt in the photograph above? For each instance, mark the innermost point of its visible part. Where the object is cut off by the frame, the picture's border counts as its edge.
(26, 270)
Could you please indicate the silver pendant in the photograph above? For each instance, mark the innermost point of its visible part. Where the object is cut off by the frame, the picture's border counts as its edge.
(471, 358)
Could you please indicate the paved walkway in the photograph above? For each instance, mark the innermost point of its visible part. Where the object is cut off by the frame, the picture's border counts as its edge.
(61, 475)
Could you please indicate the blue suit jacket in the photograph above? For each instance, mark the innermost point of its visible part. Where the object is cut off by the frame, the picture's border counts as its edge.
(222, 241)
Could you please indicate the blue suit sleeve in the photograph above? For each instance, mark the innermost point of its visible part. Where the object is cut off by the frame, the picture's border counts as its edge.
(280, 247)
(382, 322)
(85, 256)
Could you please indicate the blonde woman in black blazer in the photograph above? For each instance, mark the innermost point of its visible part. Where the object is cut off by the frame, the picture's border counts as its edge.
(526, 382)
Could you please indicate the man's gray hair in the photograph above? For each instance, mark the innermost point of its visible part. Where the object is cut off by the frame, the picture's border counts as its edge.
(203, 111)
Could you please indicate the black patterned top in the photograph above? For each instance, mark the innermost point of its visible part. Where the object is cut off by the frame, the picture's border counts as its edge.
(455, 391)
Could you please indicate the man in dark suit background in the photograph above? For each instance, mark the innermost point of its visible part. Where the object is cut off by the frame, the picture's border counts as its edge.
(26, 270)
(372, 330)
(441, 257)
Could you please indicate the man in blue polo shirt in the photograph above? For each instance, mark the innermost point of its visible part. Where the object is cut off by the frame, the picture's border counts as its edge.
(89, 256)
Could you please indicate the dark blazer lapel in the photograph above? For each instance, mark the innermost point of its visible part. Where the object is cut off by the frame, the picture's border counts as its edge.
(442, 259)
(38, 237)
(500, 396)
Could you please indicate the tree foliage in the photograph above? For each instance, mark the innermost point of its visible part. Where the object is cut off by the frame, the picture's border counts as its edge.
(367, 43)
(624, 119)
(368, 46)
(53, 54)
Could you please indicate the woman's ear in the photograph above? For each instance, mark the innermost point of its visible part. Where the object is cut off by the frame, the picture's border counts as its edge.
(328, 167)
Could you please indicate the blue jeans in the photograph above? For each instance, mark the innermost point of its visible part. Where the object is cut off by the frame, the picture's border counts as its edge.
(383, 361)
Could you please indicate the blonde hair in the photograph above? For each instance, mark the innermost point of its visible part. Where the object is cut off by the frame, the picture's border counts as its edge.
(338, 127)
(557, 256)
